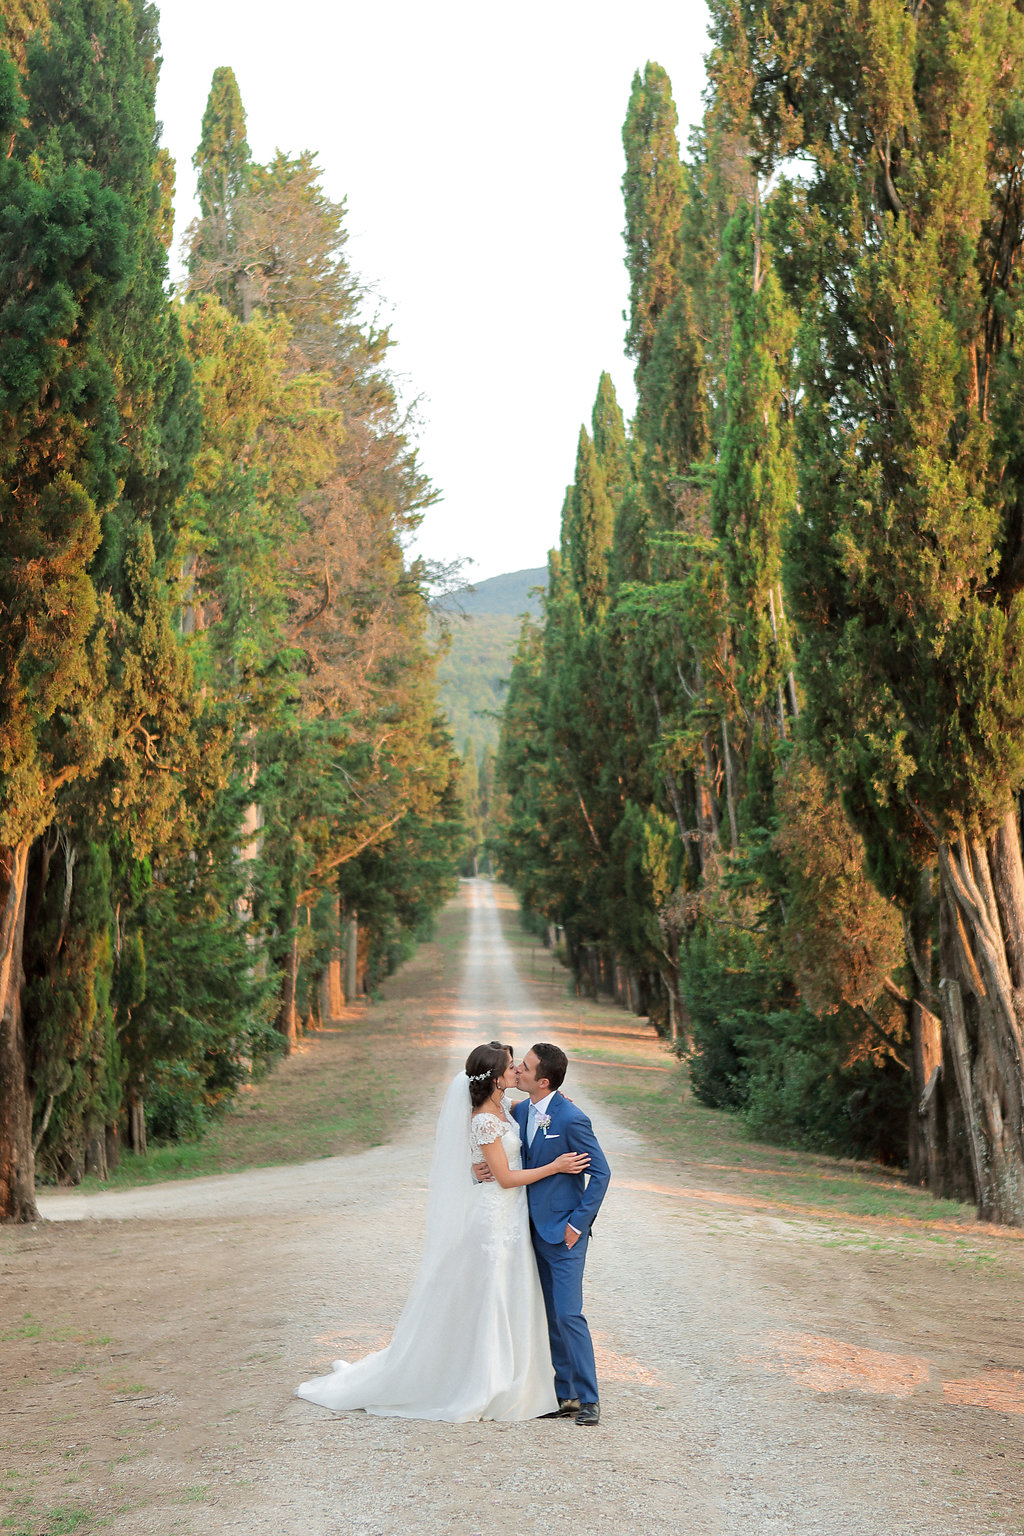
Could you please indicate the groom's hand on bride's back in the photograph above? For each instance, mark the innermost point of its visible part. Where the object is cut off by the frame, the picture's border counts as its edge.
(482, 1173)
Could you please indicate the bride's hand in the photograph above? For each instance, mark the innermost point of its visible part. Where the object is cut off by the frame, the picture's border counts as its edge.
(572, 1162)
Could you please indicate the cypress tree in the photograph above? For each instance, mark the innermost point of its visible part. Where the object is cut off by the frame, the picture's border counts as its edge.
(754, 491)
(91, 473)
(63, 255)
(222, 159)
(223, 163)
(904, 560)
(609, 436)
(587, 531)
(654, 195)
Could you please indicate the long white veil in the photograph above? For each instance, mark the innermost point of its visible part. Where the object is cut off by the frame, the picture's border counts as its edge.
(451, 1189)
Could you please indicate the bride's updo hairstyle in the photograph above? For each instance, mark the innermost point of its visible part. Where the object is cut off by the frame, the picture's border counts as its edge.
(484, 1065)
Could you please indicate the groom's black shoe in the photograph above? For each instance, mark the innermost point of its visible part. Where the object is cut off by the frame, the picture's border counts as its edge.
(567, 1407)
(590, 1413)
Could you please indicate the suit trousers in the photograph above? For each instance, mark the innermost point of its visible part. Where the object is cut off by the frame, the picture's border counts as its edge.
(572, 1352)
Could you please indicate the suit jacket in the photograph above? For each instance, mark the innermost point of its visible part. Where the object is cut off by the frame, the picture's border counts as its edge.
(563, 1198)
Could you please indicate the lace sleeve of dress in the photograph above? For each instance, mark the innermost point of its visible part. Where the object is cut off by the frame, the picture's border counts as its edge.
(485, 1129)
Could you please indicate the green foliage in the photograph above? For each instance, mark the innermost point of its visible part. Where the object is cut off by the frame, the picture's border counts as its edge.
(801, 1094)
(223, 159)
(69, 962)
(799, 1078)
(754, 491)
(653, 191)
(310, 625)
(21, 20)
(587, 531)
(218, 691)
(473, 673)
(650, 801)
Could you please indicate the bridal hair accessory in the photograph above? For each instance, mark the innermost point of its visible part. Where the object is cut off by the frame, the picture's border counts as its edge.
(480, 1077)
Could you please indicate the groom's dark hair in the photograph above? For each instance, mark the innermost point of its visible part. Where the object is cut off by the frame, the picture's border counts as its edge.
(552, 1064)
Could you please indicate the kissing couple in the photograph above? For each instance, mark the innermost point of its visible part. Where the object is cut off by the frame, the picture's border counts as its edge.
(493, 1327)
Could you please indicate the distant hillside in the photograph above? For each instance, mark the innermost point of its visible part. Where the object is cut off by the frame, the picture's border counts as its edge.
(508, 594)
(483, 625)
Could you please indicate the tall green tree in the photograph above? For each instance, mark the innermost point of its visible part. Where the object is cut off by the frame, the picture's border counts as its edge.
(654, 195)
(902, 248)
(98, 427)
(338, 692)
(754, 492)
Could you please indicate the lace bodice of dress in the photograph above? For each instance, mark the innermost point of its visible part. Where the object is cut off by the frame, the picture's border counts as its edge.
(487, 1128)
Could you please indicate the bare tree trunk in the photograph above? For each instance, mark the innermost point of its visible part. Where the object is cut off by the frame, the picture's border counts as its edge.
(352, 959)
(137, 1121)
(925, 1157)
(287, 1019)
(96, 1155)
(17, 1158)
(673, 1022)
(794, 704)
(983, 884)
(925, 1138)
(781, 705)
(709, 770)
(730, 788)
(332, 998)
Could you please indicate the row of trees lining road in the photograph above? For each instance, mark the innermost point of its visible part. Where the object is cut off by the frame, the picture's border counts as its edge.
(763, 757)
(220, 745)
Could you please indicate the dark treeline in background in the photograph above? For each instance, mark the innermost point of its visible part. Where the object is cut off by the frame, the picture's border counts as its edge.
(221, 754)
(762, 757)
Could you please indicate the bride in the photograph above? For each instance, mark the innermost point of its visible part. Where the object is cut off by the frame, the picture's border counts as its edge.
(472, 1339)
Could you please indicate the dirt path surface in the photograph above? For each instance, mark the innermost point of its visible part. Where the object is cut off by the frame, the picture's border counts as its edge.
(760, 1373)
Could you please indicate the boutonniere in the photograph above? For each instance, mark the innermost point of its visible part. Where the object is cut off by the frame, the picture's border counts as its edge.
(543, 1122)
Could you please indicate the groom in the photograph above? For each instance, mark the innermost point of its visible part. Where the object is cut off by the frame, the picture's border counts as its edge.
(562, 1210)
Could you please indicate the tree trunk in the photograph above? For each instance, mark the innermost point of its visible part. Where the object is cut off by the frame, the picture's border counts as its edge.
(352, 960)
(673, 1023)
(17, 1159)
(730, 788)
(332, 999)
(96, 1155)
(925, 1159)
(794, 703)
(710, 776)
(137, 1122)
(780, 702)
(287, 1019)
(925, 1136)
(982, 1005)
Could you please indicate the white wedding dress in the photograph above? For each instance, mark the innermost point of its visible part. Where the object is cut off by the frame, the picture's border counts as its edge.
(472, 1340)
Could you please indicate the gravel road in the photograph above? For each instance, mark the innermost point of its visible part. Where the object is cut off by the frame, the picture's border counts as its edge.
(753, 1379)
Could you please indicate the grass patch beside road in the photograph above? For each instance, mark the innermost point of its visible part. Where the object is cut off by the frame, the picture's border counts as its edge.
(711, 1144)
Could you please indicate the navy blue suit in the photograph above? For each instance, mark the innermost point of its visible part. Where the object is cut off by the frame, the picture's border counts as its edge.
(561, 1200)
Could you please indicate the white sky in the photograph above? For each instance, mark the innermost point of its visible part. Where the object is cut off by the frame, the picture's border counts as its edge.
(479, 147)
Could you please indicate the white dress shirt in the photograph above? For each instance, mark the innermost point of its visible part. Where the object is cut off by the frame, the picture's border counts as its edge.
(540, 1108)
